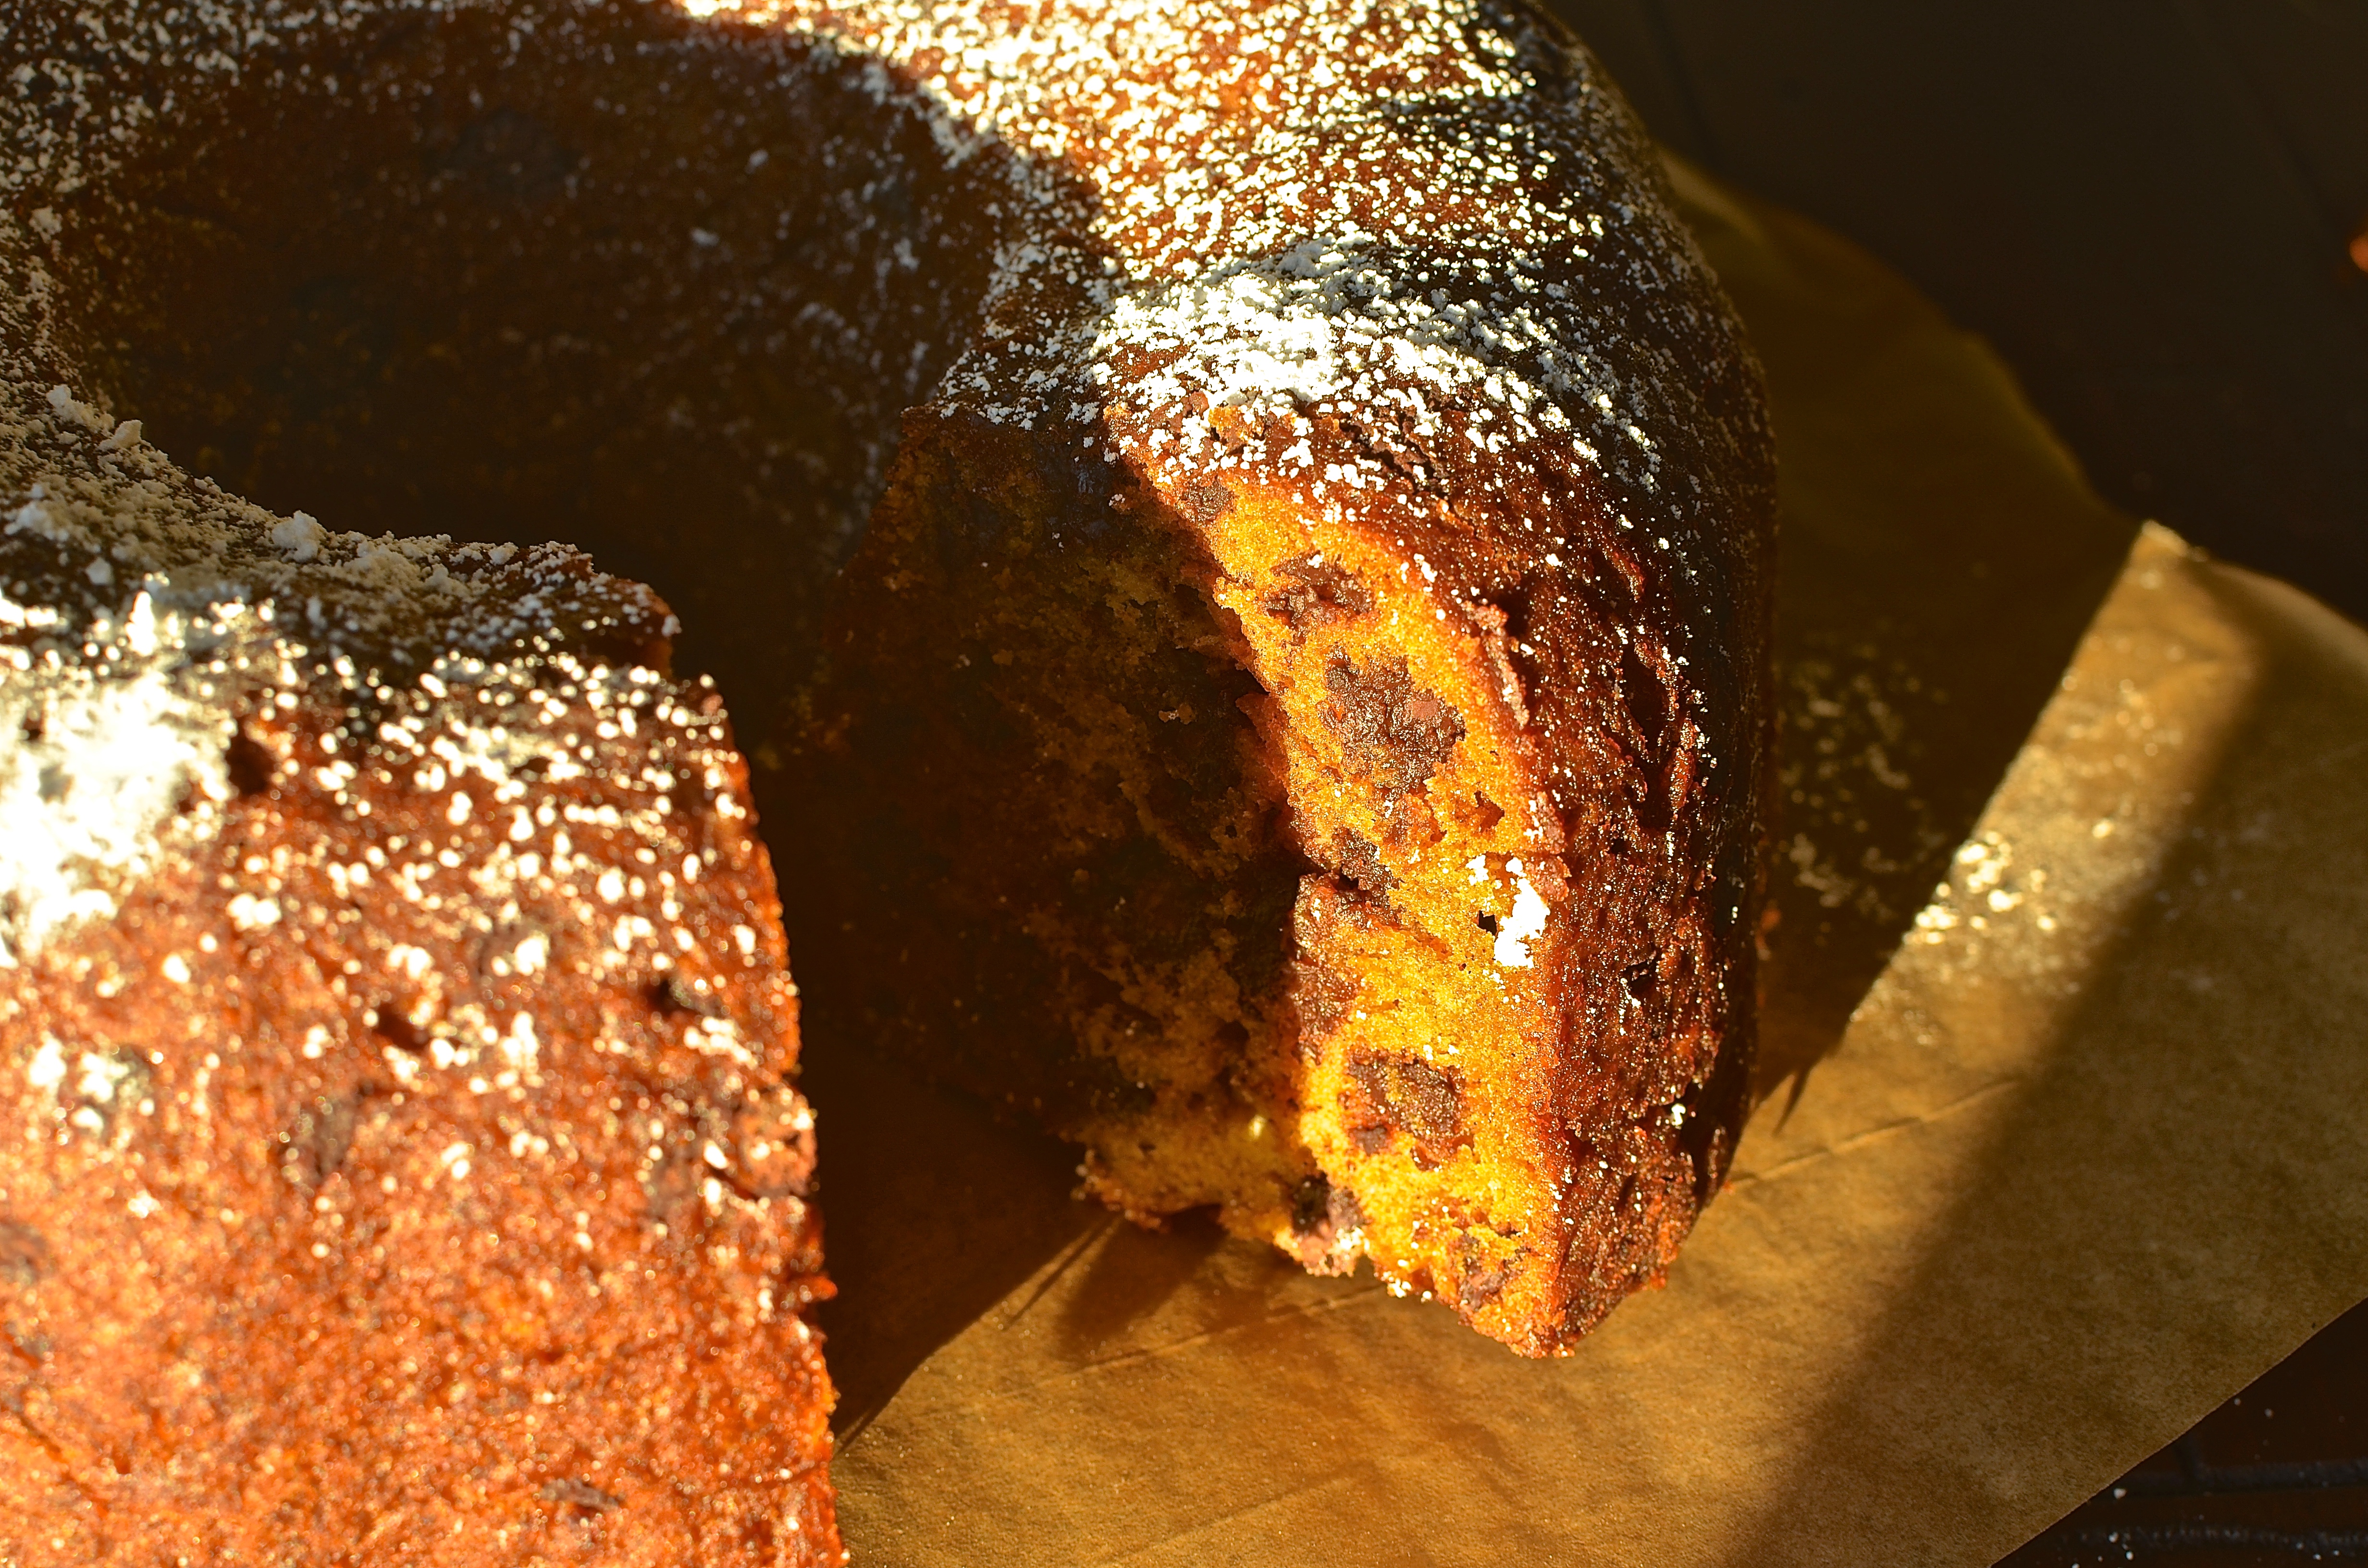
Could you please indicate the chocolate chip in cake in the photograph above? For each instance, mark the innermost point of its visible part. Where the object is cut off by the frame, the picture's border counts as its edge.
(1431, 1099)
(1483, 1280)
(249, 764)
(1206, 501)
(1424, 1100)
(392, 1024)
(1316, 592)
(1362, 858)
(1395, 732)
(1322, 995)
(684, 995)
(1372, 1074)
(581, 1494)
(318, 1140)
(24, 1255)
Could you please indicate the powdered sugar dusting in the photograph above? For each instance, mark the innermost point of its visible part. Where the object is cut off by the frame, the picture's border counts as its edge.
(1279, 204)
(107, 758)
(1325, 319)
(1405, 264)
(1285, 204)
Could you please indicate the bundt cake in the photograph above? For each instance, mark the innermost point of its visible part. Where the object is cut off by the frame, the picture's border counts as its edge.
(1238, 541)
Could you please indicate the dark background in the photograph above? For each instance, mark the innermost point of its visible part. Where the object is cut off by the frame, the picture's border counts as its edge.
(2147, 207)
(2150, 211)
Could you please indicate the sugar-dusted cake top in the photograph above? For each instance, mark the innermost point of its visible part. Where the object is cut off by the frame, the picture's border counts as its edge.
(1441, 209)
(1408, 264)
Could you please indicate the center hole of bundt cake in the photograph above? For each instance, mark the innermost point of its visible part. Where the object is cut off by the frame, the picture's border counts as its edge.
(654, 287)
(664, 288)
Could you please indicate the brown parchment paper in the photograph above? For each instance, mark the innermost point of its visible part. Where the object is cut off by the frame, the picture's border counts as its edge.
(2051, 1160)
